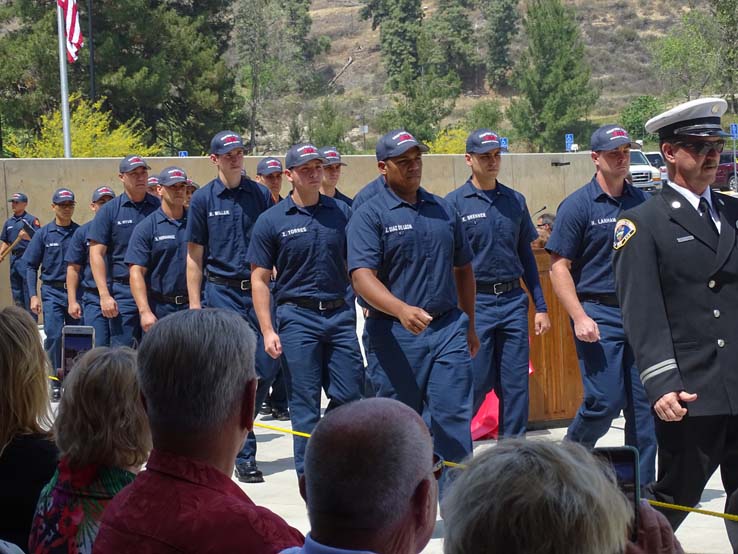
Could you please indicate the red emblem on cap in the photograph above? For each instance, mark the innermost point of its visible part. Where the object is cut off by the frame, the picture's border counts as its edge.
(273, 163)
(617, 132)
(230, 139)
(65, 194)
(307, 150)
(488, 137)
(105, 190)
(135, 160)
(331, 154)
(403, 137)
(176, 173)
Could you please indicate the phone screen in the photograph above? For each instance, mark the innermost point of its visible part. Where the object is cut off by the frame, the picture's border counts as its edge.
(624, 462)
(73, 347)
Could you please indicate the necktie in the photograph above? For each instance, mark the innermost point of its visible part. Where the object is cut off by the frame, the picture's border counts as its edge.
(704, 209)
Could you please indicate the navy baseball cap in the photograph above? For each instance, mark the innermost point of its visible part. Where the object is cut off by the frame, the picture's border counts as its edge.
(62, 195)
(267, 166)
(191, 183)
(171, 176)
(482, 141)
(102, 191)
(332, 155)
(300, 154)
(18, 197)
(395, 143)
(610, 137)
(224, 142)
(129, 163)
(153, 181)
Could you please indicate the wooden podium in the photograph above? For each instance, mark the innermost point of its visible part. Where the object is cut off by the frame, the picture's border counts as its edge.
(556, 384)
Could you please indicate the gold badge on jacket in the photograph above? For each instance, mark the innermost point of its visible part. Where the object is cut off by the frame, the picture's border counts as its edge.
(624, 229)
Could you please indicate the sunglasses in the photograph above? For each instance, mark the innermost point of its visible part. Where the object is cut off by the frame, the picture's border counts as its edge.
(438, 465)
(703, 147)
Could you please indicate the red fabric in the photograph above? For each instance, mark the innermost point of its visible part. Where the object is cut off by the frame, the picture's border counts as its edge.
(181, 505)
(73, 32)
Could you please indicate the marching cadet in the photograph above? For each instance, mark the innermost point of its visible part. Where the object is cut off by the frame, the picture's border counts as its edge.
(46, 250)
(219, 223)
(190, 189)
(332, 174)
(304, 239)
(269, 173)
(109, 236)
(408, 256)
(153, 186)
(582, 277)
(676, 270)
(77, 259)
(157, 253)
(499, 228)
(15, 236)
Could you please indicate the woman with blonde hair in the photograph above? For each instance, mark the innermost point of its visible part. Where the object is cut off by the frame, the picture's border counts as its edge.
(103, 438)
(27, 453)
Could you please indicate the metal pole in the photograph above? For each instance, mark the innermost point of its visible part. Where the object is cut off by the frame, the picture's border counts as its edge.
(91, 43)
(63, 79)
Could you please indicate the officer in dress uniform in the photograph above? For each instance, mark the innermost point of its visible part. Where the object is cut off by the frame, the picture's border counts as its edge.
(46, 250)
(408, 256)
(582, 278)
(157, 253)
(304, 239)
(109, 236)
(676, 269)
(219, 223)
(499, 228)
(77, 259)
(332, 174)
(20, 222)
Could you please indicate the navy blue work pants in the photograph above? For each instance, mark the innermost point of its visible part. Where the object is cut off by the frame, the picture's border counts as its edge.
(321, 352)
(502, 361)
(125, 328)
(18, 284)
(612, 383)
(431, 373)
(54, 302)
(93, 316)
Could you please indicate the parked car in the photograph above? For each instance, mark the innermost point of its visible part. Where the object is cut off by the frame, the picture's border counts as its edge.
(724, 178)
(642, 174)
(657, 160)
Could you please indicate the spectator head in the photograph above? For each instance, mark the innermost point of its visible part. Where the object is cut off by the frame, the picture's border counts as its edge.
(101, 419)
(24, 393)
(197, 377)
(369, 482)
(524, 497)
(546, 221)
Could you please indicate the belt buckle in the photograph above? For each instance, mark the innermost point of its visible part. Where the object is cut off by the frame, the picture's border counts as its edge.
(245, 284)
(321, 307)
(494, 288)
(179, 300)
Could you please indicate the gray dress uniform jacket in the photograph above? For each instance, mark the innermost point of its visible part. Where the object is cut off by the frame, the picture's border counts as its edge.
(677, 283)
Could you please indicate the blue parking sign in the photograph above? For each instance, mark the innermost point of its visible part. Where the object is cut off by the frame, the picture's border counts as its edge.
(183, 153)
(503, 142)
(569, 139)
(734, 130)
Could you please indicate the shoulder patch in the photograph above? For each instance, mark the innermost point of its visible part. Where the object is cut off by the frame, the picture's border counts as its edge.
(624, 230)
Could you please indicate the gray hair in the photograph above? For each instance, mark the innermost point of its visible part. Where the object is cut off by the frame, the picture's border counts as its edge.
(193, 367)
(547, 219)
(363, 463)
(530, 497)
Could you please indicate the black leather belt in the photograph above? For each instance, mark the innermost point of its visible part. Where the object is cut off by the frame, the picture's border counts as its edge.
(604, 299)
(122, 280)
(59, 285)
(498, 288)
(92, 291)
(178, 299)
(239, 284)
(376, 314)
(313, 304)
(17, 252)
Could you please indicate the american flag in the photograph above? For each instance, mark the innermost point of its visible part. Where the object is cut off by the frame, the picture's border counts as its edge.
(73, 32)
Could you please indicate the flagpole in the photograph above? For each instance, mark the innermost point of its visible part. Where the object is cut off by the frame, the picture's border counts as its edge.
(63, 79)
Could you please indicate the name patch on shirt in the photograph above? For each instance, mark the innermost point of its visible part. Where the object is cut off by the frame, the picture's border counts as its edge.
(217, 213)
(472, 217)
(165, 237)
(295, 231)
(395, 228)
(49, 245)
(603, 221)
(124, 222)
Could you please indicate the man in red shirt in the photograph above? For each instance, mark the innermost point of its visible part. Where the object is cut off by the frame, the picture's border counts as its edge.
(197, 377)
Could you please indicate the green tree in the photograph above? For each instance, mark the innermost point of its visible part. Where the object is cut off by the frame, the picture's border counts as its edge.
(725, 13)
(637, 112)
(93, 134)
(501, 27)
(399, 23)
(688, 58)
(552, 76)
(486, 113)
(328, 125)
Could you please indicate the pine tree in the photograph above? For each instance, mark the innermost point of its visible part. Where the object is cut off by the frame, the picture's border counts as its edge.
(552, 76)
(501, 28)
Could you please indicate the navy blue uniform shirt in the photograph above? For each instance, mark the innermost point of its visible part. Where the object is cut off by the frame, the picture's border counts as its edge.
(307, 246)
(15, 225)
(370, 190)
(46, 250)
(583, 231)
(221, 219)
(114, 224)
(159, 244)
(78, 252)
(413, 247)
(343, 198)
(500, 230)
